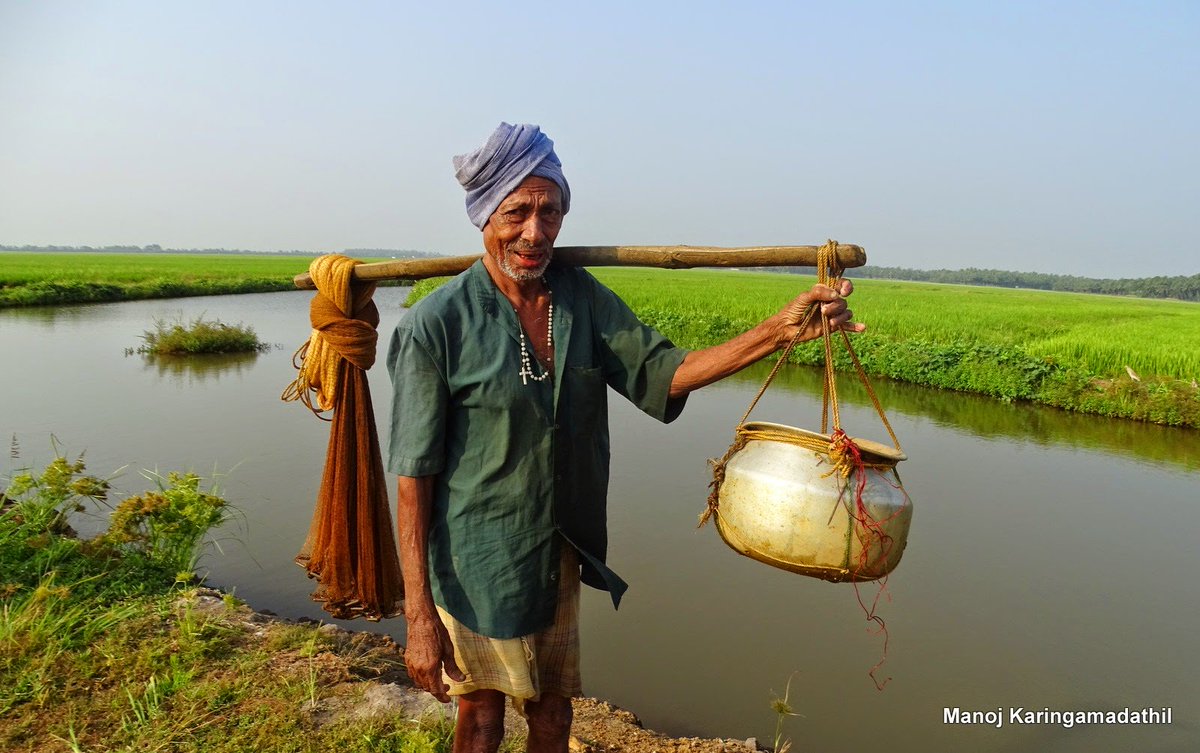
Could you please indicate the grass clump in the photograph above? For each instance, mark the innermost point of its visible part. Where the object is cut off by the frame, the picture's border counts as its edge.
(200, 336)
(169, 524)
(59, 593)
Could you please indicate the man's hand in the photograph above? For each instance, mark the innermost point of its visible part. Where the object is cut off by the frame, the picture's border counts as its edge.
(427, 651)
(833, 306)
(701, 367)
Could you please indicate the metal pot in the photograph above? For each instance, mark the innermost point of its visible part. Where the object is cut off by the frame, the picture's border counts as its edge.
(784, 504)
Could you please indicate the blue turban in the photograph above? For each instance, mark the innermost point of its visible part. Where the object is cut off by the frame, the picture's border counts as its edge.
(494, 170)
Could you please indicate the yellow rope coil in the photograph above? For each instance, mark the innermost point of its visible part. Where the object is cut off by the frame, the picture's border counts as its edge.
(317, 360)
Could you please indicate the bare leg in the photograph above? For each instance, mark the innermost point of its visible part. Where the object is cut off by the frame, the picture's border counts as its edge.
(549, 724)
(480, 725)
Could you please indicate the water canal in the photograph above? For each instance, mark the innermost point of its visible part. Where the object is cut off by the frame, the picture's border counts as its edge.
(1052, 560)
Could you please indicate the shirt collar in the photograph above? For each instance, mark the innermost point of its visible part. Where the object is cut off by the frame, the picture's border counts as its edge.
(481, 286)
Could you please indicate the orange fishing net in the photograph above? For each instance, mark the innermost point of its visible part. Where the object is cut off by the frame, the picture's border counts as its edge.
(350, 548)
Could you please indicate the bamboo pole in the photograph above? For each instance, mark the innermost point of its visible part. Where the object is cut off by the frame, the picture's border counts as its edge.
(665, 257)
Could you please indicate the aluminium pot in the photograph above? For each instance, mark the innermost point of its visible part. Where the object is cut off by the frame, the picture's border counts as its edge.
(779, 503)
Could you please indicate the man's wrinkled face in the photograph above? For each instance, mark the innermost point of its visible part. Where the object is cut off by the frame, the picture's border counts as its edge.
(520, 234)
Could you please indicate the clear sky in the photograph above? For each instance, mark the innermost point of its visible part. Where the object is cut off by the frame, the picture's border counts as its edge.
(1039, 136)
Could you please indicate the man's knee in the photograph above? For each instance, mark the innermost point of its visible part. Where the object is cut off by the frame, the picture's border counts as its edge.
(480, 723)
(550, 715)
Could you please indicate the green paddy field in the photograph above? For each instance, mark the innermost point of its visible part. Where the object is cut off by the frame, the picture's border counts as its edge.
(1062, 349)
(38, 279)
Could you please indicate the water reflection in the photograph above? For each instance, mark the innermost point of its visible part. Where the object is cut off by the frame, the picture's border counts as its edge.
(49, 316)
(190, 370)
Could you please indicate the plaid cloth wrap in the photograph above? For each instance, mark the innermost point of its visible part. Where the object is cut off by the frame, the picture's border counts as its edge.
(524, 668)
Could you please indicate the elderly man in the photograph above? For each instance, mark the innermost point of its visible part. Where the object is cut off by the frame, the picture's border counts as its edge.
(500, 439)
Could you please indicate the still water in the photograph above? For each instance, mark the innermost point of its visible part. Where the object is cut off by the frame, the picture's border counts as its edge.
(1052, 560)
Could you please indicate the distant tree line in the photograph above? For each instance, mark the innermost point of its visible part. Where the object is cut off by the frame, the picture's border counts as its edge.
(154, 248)
(1180, 287)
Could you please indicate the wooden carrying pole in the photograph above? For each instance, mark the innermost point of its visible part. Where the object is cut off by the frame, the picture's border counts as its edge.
(665, 257)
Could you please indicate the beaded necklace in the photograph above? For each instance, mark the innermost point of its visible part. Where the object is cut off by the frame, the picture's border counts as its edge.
(526, 372)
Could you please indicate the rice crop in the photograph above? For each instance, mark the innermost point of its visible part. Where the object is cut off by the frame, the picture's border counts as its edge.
(17, 268)
(1099, 334)
(1112, 356)
(31, 279)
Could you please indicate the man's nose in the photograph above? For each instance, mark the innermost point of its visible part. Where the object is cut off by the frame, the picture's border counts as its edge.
(534, 230)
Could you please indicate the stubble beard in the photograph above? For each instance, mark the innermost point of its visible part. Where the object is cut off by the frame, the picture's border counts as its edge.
(521, 274)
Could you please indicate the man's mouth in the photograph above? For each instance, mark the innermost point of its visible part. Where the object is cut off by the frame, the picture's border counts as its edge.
(522, 261)
(530, 257)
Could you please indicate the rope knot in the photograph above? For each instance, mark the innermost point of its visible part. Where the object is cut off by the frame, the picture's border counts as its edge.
(344, 320)
(845, 455)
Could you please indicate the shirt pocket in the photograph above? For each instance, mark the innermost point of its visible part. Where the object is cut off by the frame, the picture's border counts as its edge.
(586, 400)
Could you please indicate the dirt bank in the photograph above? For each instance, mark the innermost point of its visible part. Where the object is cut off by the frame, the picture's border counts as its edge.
(362, 675)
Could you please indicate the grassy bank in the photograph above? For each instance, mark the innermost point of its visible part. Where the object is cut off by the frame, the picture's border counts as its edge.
(28, 279)
(106, 645)
(1061, 349)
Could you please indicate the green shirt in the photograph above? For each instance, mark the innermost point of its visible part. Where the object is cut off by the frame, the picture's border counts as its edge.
(519, 467)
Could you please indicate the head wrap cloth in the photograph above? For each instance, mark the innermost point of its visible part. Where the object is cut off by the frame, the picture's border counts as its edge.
(510, 155)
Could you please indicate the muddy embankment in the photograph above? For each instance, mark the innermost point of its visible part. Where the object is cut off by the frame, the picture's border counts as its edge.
(362, 674)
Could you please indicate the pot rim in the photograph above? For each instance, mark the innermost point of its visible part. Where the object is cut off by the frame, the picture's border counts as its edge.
(885, 452)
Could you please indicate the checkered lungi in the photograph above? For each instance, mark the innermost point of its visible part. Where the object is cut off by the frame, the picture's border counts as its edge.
(524, 668)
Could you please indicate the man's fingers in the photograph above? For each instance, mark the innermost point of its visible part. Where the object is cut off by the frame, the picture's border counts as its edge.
(837, 312)
(438, 688)
(448, 662)
(431, 682)
(820, 292)
(441, 689)
(839, 317)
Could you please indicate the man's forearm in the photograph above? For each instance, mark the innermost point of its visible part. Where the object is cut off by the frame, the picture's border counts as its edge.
(703, 367)
(414, 501)
(428, 650)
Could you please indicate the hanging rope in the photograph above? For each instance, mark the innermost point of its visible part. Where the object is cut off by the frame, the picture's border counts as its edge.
(350, 548)
(845, 457)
